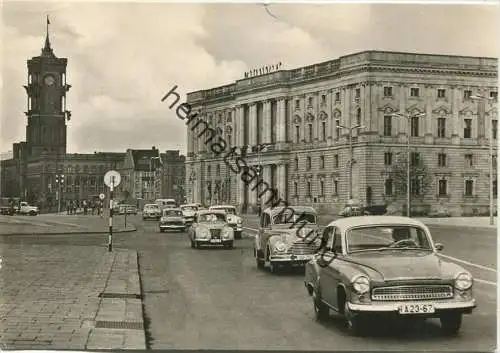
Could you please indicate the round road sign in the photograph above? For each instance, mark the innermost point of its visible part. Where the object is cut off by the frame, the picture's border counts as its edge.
(112, 178)
(102, 196)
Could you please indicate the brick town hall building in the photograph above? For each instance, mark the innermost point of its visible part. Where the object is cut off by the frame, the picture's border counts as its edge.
(31, 173)
(298, 113)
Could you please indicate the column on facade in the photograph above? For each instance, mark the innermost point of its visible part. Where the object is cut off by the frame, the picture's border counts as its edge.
(252, 125)
(455, 106)
(281, 171)
(267, 123)
(281, 120)
(428, 110)
(401, 122)
(346, 104)
(238, 123)
(267, 181)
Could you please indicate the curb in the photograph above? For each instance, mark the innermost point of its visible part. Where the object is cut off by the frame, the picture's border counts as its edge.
(72, 232)
(119, 322)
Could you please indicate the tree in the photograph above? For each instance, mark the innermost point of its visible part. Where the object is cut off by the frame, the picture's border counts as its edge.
(420, 178)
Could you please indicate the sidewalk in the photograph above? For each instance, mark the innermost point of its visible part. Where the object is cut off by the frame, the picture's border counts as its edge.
(251, 221)
(61, 224)
(50, 298)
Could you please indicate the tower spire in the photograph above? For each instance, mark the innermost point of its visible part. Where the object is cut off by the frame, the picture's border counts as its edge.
(47, 50)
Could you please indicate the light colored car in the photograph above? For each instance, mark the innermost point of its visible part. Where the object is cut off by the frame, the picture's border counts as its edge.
(189, 212)
(371, 266)
(210, 227)
(151, 211)
(233, 219)
(127, 209)
(172, 219)
(287, 237)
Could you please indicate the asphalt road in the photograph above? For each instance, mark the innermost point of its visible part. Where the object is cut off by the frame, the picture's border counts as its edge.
(218, 299)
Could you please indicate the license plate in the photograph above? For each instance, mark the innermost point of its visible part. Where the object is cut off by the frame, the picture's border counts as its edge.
(215, 240)
(408, 309)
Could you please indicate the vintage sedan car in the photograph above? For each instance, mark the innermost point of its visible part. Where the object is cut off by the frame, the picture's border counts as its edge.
(172, 219)
(372, 266)
(151, 211)
(288, 236)
(127, 209)
(233, 219)
(210, 227)
(189, 212)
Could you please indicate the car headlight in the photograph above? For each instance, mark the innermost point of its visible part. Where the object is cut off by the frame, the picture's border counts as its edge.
(361, 284)
(239, 221)
(463, 281)
(227, 233)
(279, 246)
(203, 233)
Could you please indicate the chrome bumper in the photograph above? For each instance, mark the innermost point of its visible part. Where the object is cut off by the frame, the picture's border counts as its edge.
(290, 258)
(173, 226)
(210, 242)
(236, 227)
(394, 306)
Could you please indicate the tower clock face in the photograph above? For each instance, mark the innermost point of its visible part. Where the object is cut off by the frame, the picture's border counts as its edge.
(49, 80)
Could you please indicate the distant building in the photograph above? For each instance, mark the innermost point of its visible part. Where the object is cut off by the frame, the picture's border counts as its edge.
(141, 175)
(173, 175)
(307, 116)
(39, 164)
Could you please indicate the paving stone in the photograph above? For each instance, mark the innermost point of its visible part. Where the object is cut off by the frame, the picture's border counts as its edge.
(50, 295)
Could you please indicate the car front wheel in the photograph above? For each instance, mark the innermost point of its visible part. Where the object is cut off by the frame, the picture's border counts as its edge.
(451, 323)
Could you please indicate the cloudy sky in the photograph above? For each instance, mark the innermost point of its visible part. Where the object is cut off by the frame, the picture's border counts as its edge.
(123, 57)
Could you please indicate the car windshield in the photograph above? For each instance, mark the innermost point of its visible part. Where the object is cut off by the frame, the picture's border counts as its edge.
(291, 218)
(172, 213)
(188, 208)
(212, 217)
(378, 238)
(229, 210)
(151, 207)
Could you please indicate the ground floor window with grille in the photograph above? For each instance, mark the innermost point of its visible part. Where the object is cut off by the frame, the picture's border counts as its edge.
(321, 188)
(335, 187)
(469, 187)
(295, 188)
(309, 189)
(443, 187)
(416, 186)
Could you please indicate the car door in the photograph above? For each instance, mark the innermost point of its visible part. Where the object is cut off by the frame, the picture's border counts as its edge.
(325, 274)
(264, 225)
(334, 270)
(192, 229)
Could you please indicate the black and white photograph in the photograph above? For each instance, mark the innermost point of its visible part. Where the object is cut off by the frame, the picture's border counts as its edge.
(297, 176)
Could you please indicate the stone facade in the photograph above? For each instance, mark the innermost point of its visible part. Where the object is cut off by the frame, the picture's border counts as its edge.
(297, 112)
(173, 176)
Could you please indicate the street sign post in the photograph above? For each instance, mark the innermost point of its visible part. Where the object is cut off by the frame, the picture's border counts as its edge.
(112, 178)
(101, 196)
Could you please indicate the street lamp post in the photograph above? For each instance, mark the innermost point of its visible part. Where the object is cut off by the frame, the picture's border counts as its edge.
(482, 100)
(260, 147)
(408, 156)
(351, 159)
(152, 180)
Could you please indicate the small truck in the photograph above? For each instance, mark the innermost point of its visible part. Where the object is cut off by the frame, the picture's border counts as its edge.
(26, 209)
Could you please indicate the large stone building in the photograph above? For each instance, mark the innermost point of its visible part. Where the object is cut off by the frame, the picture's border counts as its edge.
(35, 171)
(297, 112)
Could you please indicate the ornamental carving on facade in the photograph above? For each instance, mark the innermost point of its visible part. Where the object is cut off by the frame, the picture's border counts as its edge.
(323, 115)
(388, 109)
(229, 129)
(493, 112)
(467, 111)
(309, 117)
(414, 110)
(337, 113)
(297, 119)
(442, 110)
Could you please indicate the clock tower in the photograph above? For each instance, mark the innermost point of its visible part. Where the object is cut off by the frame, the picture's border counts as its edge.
(46, 111)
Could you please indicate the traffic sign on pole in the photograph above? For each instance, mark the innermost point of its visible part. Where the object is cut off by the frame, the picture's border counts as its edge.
(101, 196)
(112, 178)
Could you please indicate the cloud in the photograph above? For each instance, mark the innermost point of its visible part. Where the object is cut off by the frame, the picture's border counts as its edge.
(123, 57)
